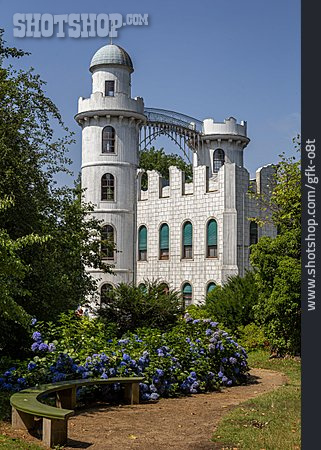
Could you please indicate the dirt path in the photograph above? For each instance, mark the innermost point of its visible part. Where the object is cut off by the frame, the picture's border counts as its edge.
(184, 423)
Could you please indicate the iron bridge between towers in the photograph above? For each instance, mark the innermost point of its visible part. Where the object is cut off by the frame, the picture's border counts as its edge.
(183, 130)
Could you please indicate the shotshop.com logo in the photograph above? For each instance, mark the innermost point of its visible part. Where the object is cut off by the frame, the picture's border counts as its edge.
(73, 25)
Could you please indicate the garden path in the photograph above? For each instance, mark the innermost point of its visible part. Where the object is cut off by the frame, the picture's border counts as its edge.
(180, 423)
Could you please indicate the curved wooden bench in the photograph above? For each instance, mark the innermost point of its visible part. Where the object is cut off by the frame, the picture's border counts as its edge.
(26, 405)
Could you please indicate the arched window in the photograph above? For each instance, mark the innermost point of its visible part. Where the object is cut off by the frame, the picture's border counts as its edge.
(210, 287)
(253, 233)
(108, 140)
(108, 242)
(165, 288)
(211, 237)
(187, 240)
(218, 159)
(164, 241)
(105, 293)
(143, 288)
(187, 294)
(108, 187)
(142, 243)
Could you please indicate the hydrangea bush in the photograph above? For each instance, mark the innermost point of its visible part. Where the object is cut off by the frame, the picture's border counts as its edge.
(194, 356)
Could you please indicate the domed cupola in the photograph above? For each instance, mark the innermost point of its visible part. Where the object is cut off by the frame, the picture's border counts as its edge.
(111, 55)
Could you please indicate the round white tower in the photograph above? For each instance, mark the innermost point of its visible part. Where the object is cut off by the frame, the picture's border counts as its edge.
(110, 121)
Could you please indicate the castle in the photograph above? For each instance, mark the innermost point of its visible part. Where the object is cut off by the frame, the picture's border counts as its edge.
(191, 236)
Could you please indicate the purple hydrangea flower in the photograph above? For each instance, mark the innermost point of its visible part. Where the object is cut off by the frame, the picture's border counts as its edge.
(208, 332)
(51, 347)
(220, 374)
(224, 379)
(104, 376)
(33, 321)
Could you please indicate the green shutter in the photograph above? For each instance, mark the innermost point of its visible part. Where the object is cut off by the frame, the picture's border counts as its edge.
(164, 237)
(187, 234)
(211, 287)
(142, 238)
(187, 289)
(212, 232)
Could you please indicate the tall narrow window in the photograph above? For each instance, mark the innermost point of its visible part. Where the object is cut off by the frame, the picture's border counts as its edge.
(188, 240)
(211, 239)
(164, 241)
(107, 242)
(105, 291)
(218, 159)
(165, 288)
(187, 294)
(109, 88)
(142, 243)
(108, 140)
(210, 287)
(253, 233)
(108, 187)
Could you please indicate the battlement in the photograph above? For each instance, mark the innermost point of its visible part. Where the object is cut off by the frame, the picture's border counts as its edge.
(229, 127)
(202, 183)
(120, 102)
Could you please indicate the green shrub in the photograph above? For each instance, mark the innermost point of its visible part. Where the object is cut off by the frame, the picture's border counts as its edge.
(131, 307)
(194, 356)
(232, 303)
(252, 337)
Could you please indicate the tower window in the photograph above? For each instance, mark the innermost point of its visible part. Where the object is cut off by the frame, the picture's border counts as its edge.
(108, 187)
(218, 159)
(211, 239)
(107, 242)
(108, 140)
(187, 294)
(142, 243)
(109, 88)
(164, 241)
(188, 240)
(253, 233)
(105, 291)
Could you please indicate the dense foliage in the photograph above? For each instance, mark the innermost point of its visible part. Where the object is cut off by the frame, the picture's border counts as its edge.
(152, 159)
(46, 233)
(278, 263)
(232, 304)
(194, 356)
(131, 307)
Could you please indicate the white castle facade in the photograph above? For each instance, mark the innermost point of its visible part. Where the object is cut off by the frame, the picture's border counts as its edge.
(191, 236)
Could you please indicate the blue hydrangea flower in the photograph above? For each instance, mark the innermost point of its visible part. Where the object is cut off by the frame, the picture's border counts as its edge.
(229, 383)
(126, 357)
(224, 379)
(195, 321)
(32, 366)
(154, 396)
(208, 332)
(43, 347)
(152, 388)
(159, 372)
(35, 347)
(36, 336)
(146, 396)
(51, 347)
(220, 374)
(21, 380)
(104, 376)
(33, 321)
(193, 374)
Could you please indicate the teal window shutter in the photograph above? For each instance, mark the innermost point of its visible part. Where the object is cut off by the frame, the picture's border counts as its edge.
(142, 238)
(187, 289)
(187, 234)
(212, 232)
(211, 287)
(164, 237)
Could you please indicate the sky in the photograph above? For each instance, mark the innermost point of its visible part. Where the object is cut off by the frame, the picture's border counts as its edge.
(211, 58)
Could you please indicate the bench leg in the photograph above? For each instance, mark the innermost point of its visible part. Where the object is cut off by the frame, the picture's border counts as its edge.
(66, 399)
(21, 420)
(132, 393)
(54, 432)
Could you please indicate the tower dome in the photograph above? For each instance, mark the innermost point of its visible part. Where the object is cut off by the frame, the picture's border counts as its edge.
(111, 54)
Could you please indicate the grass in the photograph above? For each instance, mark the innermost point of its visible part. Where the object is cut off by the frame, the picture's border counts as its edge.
(6, 442)
(272, 421)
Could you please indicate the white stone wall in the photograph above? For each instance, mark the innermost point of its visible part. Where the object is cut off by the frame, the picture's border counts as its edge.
(223, 197)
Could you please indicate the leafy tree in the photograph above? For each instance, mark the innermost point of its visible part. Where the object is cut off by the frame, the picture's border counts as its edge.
(131, 307)
(152, 159)
(232, 304)
(49, 278)
(278, 264)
